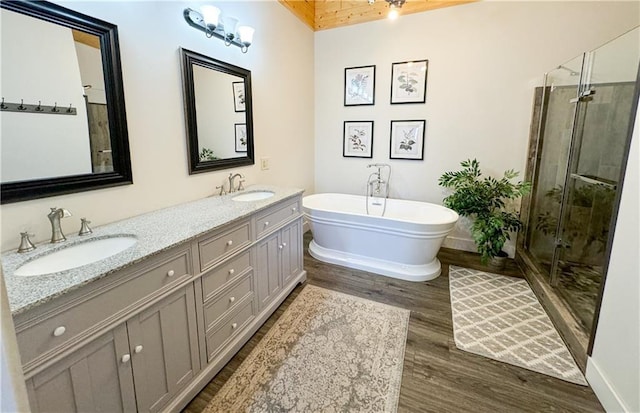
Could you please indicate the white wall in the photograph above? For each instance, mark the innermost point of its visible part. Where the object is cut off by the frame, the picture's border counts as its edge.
(485, 59)
(39, 145)
(281, 62)
(613, 370)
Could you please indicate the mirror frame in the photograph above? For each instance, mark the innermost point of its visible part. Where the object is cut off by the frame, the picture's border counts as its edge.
(110, 50)
(190, 58)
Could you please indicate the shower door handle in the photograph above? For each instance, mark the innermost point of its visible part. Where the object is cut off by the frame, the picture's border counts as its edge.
(585, 96)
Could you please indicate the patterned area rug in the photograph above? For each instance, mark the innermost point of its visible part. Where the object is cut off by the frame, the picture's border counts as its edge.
(328, 352)
(499, 317)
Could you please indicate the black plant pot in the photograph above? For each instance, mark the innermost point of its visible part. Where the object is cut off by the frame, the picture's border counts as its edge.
(499, 261)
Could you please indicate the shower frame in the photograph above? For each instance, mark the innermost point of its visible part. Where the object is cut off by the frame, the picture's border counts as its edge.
(579, 341)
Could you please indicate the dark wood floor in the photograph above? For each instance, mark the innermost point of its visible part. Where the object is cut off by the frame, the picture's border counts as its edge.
(437, 377)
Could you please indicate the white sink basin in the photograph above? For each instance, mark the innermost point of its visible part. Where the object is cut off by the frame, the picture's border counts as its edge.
(76, 255)
(253, 196)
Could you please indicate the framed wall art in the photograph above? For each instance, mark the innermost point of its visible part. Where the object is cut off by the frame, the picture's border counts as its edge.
(359, 85)
(241, 137)
(407, 139)
(238, 96)
(409, 82)
(357, 139)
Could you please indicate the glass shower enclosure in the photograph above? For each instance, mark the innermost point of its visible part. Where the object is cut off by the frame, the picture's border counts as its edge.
(580, 155)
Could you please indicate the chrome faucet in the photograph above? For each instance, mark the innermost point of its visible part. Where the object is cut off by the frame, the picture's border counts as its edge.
(56, 230)
(375, 179)
(232, 187)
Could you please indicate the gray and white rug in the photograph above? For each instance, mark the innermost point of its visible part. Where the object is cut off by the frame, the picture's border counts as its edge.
(500, 317)
(328, 352)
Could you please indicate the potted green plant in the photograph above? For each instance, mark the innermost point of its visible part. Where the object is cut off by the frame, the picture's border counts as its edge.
(483, 199)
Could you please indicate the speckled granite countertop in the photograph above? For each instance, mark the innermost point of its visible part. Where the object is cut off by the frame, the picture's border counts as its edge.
(156, 232)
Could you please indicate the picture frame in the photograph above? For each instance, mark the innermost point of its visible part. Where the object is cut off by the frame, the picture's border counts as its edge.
(357, 139)
(409, 82)
(240, 136)
(407, 139)
(238, 96)
(359, 86)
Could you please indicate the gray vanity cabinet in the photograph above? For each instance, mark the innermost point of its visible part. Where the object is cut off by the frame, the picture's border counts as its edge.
(96, 378)
(163, 345)
(268, 269)
(279, 259)
(291, 257)
(138, 366)
(149, 337)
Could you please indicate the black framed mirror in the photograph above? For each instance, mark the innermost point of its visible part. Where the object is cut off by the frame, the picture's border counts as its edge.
(218, 113)
(64, 127)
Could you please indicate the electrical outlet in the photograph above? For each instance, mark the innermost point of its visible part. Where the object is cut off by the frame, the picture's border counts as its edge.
(264, 164)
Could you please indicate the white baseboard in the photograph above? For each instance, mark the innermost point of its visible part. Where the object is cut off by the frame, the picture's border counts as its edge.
(603, 389)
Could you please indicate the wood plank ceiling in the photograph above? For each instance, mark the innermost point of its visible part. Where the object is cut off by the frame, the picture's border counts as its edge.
(328, 14)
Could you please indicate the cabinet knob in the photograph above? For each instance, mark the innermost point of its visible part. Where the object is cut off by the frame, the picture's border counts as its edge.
(234, 325)
(280, 246)
(171, 273)
(126, 358)
(266, 223)
(138, 349)
(59, 331)
(230, 242)
(232, 271)
(284, 244)
(294, 209)
(232, 299)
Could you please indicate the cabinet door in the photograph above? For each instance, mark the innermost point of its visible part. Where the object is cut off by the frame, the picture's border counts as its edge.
(268, 279)
(164, 349)
(97, 378)
(291, 241)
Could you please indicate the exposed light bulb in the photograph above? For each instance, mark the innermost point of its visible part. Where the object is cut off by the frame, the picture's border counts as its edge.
(393, 14)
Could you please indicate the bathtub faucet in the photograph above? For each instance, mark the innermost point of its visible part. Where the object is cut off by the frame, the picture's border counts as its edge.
(377, 187)
(377, 177)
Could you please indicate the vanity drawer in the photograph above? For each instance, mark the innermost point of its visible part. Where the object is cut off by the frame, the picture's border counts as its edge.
(215, 309)
(219, 246)
(89, 312)
(274, 217)
(227, 330)
(225, 273)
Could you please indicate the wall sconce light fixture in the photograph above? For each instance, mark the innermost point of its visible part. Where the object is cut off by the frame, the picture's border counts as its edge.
(213, 23)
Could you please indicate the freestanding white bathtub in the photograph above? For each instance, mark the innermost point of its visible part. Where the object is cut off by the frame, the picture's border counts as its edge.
(401, 244)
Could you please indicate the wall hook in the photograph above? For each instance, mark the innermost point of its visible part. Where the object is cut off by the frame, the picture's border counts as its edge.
(55, 108)
(39, 108)
(2, 105)
(69, 110)
(22, 107)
